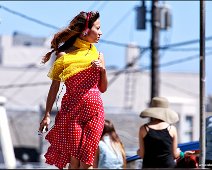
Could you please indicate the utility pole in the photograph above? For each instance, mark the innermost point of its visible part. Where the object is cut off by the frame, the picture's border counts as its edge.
(155, 25)
(202, 84)
(6, 145)
(160, 20)
(40, 139)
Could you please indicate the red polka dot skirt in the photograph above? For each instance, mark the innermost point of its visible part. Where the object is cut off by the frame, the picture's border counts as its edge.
(79, 123)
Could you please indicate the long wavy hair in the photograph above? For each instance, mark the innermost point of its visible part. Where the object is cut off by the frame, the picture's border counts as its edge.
(109, 129)
(65, 38)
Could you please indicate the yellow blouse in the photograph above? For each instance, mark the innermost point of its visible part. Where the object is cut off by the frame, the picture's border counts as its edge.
(72, 63)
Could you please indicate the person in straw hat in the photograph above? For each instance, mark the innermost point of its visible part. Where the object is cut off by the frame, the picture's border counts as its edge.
(158, 138)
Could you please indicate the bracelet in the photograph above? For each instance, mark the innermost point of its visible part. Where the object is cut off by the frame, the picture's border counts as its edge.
(182, 154)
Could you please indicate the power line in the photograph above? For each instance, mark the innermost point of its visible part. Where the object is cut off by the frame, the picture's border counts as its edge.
(102, 6)
(177, 88)
(93, 5)
(112, 29)
(29, 80)
(48, 25)
(13, 100)
(167, 39)
(187, 49)
(29, 18)
(21, 75)
(24, 85)
(182, 60)
(111, 42)
(118, 23)
(126, 66)
(161, 65)
(185, 59)
(165, 47)
(121, 44)
(52, 26)
(183, 43)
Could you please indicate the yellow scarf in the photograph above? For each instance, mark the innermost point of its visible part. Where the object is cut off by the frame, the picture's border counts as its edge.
(72, 63)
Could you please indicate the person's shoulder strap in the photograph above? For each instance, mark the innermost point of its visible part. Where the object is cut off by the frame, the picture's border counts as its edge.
(146, 127)
(169, 127)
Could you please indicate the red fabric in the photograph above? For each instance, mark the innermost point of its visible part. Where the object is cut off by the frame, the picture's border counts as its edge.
(79, 123)
(190, 161)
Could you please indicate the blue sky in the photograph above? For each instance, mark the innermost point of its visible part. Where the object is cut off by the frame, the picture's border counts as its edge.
(118, 24)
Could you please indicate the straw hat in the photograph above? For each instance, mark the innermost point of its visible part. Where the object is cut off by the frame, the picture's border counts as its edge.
(159, 110)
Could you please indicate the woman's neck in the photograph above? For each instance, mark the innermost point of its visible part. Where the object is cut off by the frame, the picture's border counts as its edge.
(84, 38)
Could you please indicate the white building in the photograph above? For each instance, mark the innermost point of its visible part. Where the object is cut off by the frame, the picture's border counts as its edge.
(24, 82)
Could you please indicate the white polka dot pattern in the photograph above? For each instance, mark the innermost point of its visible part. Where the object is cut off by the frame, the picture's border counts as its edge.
(79, 123)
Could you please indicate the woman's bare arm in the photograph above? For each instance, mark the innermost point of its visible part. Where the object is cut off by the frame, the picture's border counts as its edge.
(103, 83)
(52, 96)
(53, 90)
(141, 149)
(49, 103)
(173, 132)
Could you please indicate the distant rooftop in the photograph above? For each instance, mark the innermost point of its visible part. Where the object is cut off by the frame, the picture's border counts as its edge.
(27, 40)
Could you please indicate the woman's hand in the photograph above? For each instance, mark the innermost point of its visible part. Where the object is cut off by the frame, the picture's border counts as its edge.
(98, 63)
(138, 152)
(178, 151)
(184, 154)
(45, 122)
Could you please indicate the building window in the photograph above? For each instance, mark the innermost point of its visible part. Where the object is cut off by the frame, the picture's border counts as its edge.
(188, 128)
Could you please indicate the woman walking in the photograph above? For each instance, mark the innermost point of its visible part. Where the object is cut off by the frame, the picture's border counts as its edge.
(79, 123)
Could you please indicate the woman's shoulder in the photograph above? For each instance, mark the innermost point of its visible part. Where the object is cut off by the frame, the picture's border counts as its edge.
(144, 126)
(143, 130)
(105, 138)
(68, 51)
(104, 143)
(172, 128)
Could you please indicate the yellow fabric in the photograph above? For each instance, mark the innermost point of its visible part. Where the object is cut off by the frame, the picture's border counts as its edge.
(72, 63)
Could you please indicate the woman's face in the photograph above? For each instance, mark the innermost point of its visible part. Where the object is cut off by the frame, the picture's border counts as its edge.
(94, 33)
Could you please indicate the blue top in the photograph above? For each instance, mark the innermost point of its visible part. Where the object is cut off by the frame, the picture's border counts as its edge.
(108, 157)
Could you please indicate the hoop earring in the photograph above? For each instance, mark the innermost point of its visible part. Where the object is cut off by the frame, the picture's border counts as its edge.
(86, 30)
